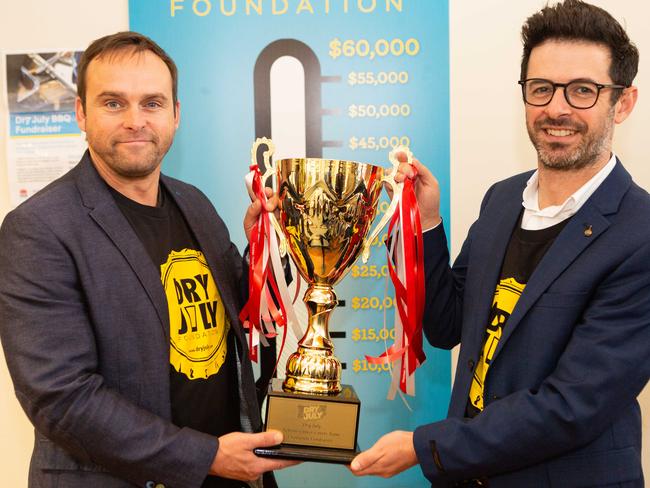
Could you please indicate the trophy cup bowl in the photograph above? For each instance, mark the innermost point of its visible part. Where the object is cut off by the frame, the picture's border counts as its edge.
(326, 209)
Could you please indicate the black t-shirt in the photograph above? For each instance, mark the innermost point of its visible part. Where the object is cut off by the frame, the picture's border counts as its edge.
(203, 374)
(525, 250)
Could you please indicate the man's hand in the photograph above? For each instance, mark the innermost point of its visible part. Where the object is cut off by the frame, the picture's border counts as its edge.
(235, 458)
(427, 191)
(255, 208)
(391, 454)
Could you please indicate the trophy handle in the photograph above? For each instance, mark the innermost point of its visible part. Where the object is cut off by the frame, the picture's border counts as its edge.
(269, 170)
(397, 192)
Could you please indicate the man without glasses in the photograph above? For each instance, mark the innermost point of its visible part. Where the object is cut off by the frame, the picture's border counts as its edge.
(119, 302)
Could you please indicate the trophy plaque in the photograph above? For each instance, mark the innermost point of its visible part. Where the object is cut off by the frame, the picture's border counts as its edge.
(326, 209)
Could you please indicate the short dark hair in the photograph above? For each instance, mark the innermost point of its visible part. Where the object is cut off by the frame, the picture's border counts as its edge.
(574, 20)
(122, 41)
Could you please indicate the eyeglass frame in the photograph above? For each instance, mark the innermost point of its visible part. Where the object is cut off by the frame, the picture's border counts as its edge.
(599, 87)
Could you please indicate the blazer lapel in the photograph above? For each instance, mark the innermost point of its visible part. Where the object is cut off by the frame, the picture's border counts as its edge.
(571, 242)
(491, 243)
(104, 211)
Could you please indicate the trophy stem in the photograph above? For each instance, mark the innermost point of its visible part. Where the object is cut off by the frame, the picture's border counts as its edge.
(313, 368)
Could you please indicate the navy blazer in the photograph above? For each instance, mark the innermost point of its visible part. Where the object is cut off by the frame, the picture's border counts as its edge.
(560, 394)
(85, 329)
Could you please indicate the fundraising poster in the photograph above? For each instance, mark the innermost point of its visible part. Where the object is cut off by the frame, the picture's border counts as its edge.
(340, 79)
(44, 141)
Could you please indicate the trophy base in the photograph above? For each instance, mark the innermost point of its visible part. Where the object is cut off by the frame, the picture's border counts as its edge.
(305, 453)
(319, 428)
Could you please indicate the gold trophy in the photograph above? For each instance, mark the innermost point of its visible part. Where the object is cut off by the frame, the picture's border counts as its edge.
(326, 209)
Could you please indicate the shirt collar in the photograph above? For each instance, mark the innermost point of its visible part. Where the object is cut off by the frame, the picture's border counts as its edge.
(572, 204)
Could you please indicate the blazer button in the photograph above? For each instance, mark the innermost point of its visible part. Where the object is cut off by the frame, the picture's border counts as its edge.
(470, 364)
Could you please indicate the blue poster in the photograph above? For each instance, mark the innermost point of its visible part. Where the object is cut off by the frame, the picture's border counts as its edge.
(338, 79)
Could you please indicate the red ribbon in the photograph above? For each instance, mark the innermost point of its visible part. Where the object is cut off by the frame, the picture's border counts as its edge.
(409, 295)
(261, 308)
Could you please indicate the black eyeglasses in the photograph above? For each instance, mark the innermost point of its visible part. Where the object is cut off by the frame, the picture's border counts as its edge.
(579, 94)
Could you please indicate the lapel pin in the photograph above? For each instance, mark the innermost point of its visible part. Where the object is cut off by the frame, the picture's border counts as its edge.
(588, 231)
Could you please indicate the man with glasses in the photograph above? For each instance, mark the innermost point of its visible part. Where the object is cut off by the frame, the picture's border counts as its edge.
(550, 294)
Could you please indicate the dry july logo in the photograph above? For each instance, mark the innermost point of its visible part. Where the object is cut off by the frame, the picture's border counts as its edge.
(311, 412)
(198, 325)
(195, 304)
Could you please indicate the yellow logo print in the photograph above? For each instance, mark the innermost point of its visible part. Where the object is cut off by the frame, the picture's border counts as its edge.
(506, 296)
(197, 320)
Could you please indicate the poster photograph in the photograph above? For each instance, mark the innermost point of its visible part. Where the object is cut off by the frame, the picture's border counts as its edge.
(44, 140)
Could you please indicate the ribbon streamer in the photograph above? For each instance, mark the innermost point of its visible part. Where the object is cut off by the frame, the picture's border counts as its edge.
(406, 270)
(260, 315)
(269, 305)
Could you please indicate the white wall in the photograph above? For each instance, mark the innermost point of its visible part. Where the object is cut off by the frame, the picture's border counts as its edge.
(488, 139)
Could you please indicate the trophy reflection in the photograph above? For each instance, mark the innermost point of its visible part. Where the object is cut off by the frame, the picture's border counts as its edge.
(326, 209)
